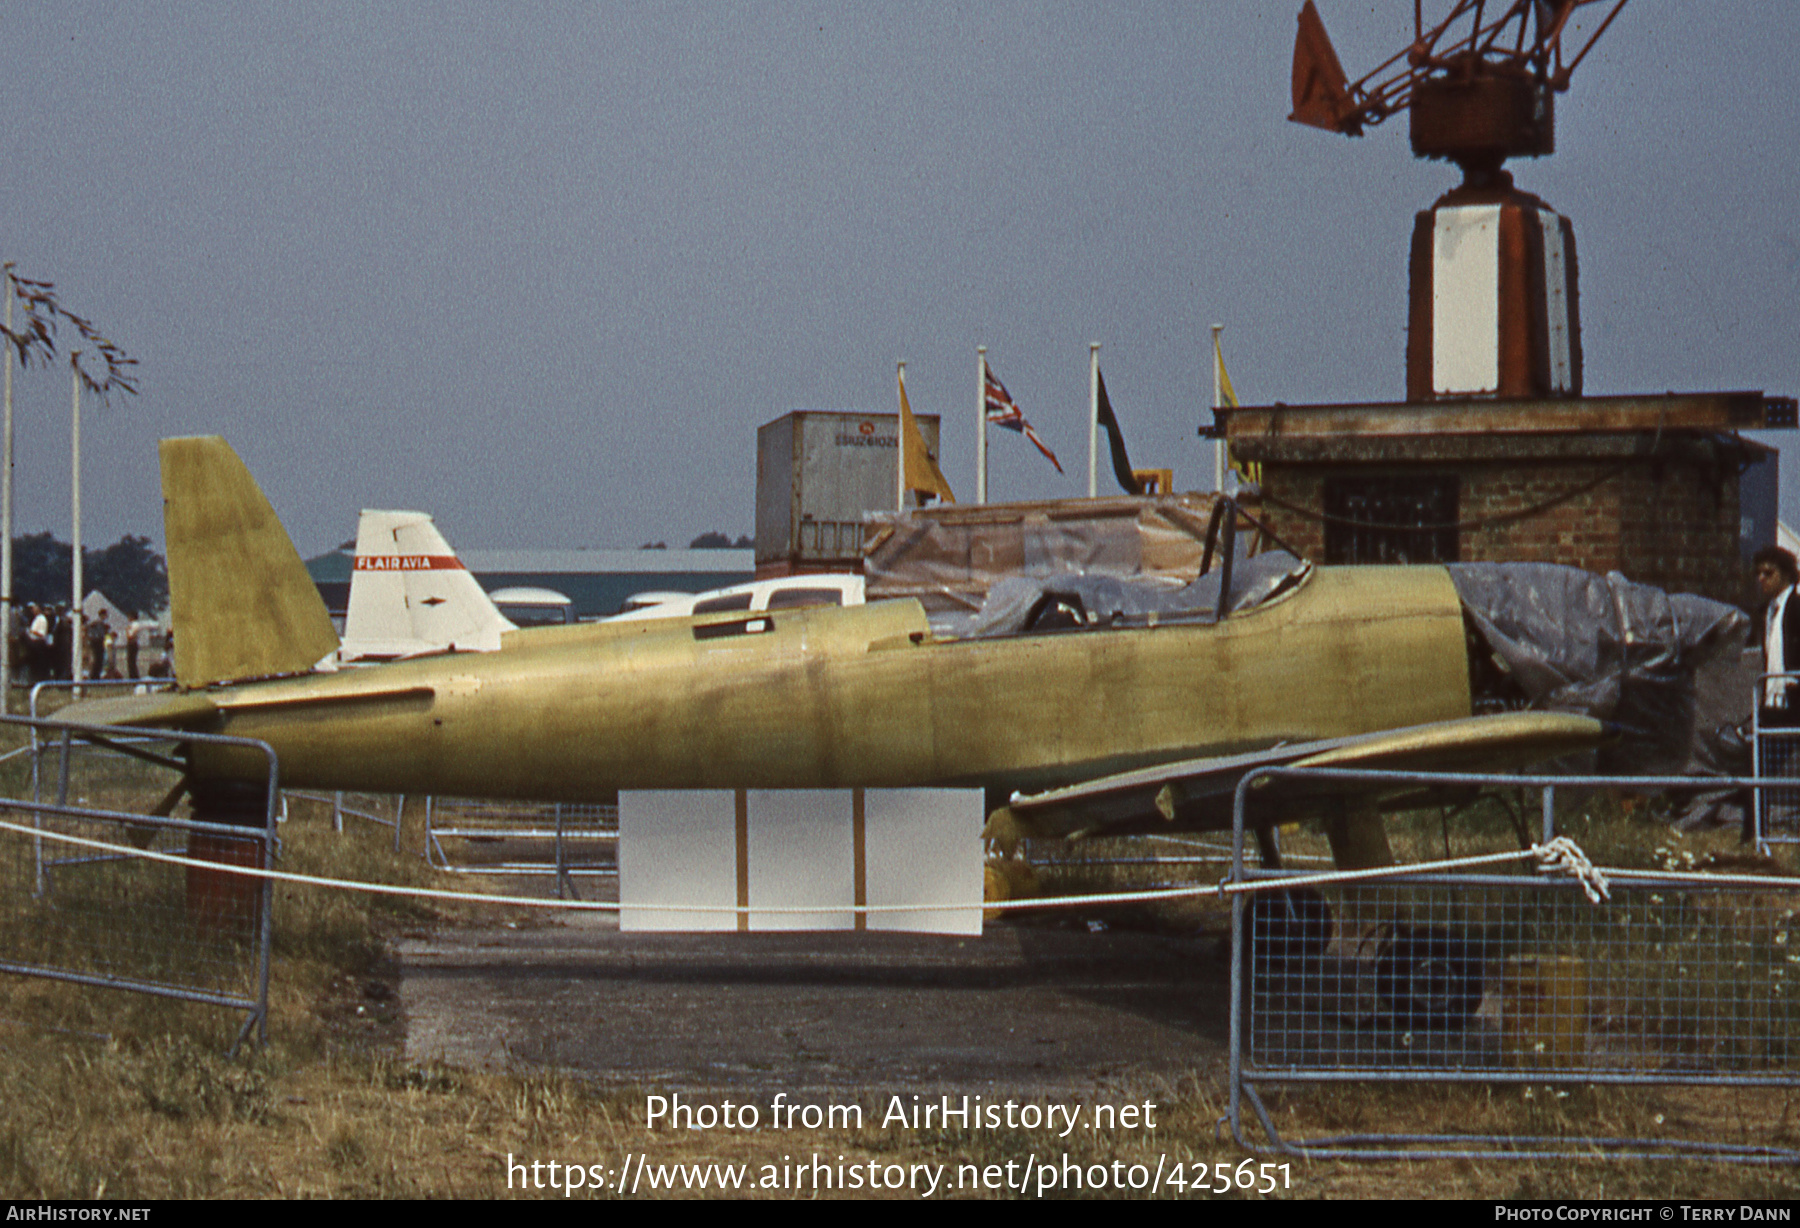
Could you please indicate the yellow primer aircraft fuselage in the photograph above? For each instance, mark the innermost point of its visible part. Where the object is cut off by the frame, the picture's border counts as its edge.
(864, 696)
(1117, 728)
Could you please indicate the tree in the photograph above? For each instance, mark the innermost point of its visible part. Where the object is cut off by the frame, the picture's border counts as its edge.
(131, 574)
(40, 569)
(716, 540)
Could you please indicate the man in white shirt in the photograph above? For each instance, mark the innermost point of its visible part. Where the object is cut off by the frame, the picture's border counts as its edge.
(1779, 628)
(1778, 702)
(37, 645)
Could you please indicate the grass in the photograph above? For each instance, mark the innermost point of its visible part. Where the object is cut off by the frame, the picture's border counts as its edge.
(106, 1094)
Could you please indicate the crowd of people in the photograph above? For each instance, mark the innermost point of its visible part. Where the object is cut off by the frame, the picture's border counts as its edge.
(43, 646)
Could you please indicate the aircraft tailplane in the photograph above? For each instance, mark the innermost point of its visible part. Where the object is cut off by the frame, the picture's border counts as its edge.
(242, 603)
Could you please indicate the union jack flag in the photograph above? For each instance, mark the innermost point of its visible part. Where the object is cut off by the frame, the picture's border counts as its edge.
(1002, 410)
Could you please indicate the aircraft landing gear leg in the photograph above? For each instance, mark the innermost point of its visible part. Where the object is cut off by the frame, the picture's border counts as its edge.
(1359, 841)
(1268, 848)
(1358, 837)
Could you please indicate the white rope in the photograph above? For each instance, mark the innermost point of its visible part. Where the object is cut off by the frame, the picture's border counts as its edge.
(1774, 882)
(312, 880)
(289, 877)
(1330, 877)
(1561, 855)
(1070, 901)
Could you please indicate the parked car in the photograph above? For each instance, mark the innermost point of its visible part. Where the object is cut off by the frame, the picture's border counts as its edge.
(786, 593)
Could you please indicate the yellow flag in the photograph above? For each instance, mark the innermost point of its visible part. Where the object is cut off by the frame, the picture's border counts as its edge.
(1250, 471)
(1227, 396)
(919, 470)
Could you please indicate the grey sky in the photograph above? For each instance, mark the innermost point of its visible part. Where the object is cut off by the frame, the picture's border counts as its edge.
(542, 270)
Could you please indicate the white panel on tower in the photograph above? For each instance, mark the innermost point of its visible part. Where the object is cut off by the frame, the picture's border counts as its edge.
(1556, 301)
(1465, 299)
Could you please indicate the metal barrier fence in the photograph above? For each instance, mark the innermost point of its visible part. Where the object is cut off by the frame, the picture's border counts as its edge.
(1151, 862)
(381, 809)
(1510, 979)
(117, 920)
(569, 840)
(48, 697)
(1776, 813)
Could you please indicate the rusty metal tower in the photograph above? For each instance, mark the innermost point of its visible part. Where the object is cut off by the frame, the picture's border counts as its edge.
(1494, 308)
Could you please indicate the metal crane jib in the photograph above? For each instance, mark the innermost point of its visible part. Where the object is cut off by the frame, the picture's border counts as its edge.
(1479, 83)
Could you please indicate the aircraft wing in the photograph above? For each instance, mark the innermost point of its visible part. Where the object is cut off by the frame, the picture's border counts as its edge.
(158, 710)
(1196, 794)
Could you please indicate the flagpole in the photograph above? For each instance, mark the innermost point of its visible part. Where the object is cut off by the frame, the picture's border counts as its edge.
(1218, 399)
(75, 656)
(900, 440)
(1093, 417)
(6, 502)
(981, 424)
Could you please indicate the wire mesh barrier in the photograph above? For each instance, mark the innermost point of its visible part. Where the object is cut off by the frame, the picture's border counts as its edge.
(381, 809)
(1669, 980)
(112, 916)
(1145, 863)
(1524, 978)
(568, 840)
(1777, 810)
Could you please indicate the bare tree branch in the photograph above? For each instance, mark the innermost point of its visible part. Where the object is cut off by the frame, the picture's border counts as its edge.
(35, 339)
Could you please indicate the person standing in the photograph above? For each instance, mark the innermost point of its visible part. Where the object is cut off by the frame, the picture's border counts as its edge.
(1777, 699)
(94, 660)
(62, 643)
(1779, 632)
(37, 642)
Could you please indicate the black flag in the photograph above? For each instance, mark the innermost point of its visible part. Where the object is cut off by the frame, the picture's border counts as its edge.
(1121, 463)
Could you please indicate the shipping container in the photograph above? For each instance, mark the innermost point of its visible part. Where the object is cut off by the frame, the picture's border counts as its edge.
(817, 473)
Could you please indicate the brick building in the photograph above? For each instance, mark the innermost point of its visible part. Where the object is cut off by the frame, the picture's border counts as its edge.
(1661, 488)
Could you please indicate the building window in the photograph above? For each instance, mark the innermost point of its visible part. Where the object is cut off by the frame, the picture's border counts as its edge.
(1391, 519)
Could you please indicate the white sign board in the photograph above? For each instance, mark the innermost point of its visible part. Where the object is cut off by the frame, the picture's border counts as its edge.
(700, 859)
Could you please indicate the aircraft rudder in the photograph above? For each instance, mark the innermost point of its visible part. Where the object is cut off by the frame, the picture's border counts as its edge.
(240, 599)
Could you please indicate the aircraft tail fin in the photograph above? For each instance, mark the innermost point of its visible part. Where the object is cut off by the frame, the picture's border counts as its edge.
(240, 599)
(409, 593)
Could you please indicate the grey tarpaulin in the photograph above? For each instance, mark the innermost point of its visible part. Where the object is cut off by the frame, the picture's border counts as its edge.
(1669, 668)
(1662, 665)
(947, 557)
(1114, 601)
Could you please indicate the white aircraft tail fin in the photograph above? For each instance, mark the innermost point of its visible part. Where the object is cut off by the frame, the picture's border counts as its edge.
(410, 594)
